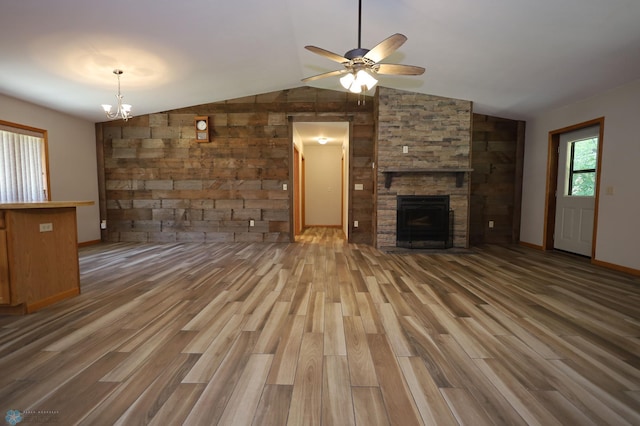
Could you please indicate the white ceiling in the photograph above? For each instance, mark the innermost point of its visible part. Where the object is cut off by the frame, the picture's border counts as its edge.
(512, 58)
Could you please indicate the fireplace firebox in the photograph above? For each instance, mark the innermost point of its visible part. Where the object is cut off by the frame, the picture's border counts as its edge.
(424, 221)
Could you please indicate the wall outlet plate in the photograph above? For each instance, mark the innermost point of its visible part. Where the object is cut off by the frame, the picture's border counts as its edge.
(284, 186)
(355, 223)
(46, 227)
(252, 222)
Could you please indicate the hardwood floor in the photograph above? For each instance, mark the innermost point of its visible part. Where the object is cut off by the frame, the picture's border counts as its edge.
(324, 332)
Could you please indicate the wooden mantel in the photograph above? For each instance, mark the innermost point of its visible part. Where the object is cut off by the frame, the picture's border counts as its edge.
(38, 254)
(459, 172)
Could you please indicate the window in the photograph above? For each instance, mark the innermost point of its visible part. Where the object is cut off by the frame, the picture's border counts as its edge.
(582, 167)
(23, 164)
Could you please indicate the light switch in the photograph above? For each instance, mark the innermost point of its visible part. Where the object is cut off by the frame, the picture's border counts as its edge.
(405, 149)
(284, 186)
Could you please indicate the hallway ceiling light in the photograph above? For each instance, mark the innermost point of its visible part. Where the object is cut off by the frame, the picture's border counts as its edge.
(322, 141)
(122, 110)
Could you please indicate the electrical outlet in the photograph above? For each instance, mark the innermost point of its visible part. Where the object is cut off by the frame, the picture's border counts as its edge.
(46, 227)
(284, 186)
(405, 149)
(491, 223)
(355, 223)
(252, 222)
(103, 224)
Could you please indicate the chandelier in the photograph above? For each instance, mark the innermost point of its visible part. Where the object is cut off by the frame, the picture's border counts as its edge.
(122, 110)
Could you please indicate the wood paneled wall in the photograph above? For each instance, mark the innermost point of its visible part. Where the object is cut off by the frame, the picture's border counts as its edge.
(161, 185)
(496, 180)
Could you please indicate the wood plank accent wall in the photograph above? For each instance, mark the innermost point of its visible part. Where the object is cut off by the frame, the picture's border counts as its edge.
(496, 180)
(437, 132)
(160, 185)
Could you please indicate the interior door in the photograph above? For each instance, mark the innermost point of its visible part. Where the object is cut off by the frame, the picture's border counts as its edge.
(576, 190)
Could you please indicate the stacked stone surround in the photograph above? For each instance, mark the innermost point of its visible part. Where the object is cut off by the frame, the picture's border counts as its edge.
(160, 185)
(437, 132)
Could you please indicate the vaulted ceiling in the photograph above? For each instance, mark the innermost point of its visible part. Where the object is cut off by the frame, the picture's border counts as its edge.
(512, 58)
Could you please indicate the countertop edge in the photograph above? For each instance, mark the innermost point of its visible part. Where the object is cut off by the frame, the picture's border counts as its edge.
(44, 205)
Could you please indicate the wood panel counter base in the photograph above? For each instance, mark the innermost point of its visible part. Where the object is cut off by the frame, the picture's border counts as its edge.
(33, 307)
(38, 255)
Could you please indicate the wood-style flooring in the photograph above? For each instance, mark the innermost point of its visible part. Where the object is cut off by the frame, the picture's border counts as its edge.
(322, 332)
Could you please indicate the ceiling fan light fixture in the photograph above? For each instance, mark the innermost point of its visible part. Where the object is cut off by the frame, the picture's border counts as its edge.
(347, 80)
(363, 78)
(358, 82)
(361, 65)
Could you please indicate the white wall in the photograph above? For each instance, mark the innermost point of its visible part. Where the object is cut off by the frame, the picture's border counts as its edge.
(323, 185)
(618, 238)
(72, 158)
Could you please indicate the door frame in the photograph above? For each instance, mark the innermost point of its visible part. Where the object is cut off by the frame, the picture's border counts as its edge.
(298, 192)
(291, 192)
(552, 182)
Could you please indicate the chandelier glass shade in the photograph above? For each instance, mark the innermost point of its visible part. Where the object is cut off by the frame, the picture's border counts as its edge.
(122, 110)
(358, 81)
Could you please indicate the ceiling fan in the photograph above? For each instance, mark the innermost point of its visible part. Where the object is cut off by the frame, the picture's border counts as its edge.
(360, 65)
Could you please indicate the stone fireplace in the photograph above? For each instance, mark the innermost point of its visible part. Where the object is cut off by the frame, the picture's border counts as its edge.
(423, 149)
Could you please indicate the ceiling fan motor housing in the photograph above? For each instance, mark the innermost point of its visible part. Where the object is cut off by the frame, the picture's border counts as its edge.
(356, 53)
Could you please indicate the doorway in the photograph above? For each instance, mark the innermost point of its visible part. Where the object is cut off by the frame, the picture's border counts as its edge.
(320, 175)
(573, 178)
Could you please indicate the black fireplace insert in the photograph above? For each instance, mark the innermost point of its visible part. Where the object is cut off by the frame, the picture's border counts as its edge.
(424, 221)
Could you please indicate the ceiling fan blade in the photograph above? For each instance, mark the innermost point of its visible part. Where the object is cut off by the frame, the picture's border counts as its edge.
(386, 47)
(329, 55)
(398, 69)
(326, 74)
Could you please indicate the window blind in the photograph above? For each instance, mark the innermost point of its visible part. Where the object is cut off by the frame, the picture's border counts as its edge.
(21, 167)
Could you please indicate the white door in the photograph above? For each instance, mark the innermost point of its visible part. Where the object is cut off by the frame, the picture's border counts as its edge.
(575, 197)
